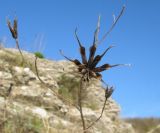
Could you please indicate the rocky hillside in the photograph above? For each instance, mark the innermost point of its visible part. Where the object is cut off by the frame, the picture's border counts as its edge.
(28, 106)
(145, 125)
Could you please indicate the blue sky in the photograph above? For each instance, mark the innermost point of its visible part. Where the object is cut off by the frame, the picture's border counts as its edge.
(48, 25)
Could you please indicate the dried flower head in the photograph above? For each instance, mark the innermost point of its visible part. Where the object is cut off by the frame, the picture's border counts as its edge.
(13, 29)
(88, 68)
(108, 92)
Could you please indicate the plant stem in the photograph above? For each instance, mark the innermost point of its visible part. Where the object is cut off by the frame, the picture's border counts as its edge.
(80, 105)
(17, 45)
(113, 25)
(37, 72)
(47, 86)
(99, 116)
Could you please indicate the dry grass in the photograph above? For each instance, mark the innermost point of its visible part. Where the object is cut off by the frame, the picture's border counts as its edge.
(143, 125)
(21, 124)
(15, 59)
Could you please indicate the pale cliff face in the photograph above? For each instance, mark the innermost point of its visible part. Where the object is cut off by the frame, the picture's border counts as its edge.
(27, 105)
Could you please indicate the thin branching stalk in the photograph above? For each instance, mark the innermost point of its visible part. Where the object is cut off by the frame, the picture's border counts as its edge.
(17, 45)
(80, 104)
(53, 91)
(108, 93)
(94, 122)
(37, 72)
(113, 25)
(14, 31)
(88, 68)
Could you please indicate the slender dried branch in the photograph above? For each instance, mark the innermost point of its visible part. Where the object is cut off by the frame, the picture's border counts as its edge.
(89, 70)
(14, 32)
(17, 45)
(53, 91)
(37, 72)
(108, 93)
(80, 105)
(10, 90)
(98, 117)
(95, 41)
(113, 25)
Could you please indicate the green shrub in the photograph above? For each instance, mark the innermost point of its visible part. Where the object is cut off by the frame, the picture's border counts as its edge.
(39, 55)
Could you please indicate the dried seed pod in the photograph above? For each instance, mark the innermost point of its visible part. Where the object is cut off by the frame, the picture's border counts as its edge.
(13, 29)
(108, 92)
(88, 67)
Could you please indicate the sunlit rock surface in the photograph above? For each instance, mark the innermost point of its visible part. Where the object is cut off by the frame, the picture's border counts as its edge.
(27, 106)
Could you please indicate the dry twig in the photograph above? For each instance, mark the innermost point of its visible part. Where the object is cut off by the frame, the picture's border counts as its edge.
(53, 91)
(108, 93)
(14, 32)
(80, 104)
(88, 68)
(113, 25)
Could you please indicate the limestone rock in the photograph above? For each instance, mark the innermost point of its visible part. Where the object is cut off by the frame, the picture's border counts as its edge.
(23, 98)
